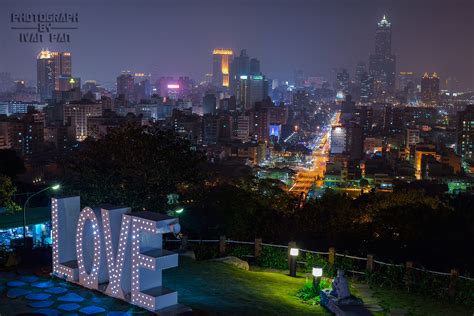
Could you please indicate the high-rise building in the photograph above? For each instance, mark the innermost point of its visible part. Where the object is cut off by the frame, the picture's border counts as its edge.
(366, 88)
(209, 104)
(221, 59)
(382, 62)
(342, 81)
(267, 118)
(465, 134)
(360, 70)
(430, 89)
(25, 135)
(338, 139)
(210, 133)
(348, 110)
(78, 114)
(62, 66)
(255, 67)
(45, 75)
(51, 67)
(355, 141)
(405, 78)
(250, 89)
(142, 86)
(407, 87)
(240, 66)
(125, 85)
(241, 128)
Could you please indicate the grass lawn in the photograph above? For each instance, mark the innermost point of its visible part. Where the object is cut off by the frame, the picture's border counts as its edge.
(418, 305)
(211, 288)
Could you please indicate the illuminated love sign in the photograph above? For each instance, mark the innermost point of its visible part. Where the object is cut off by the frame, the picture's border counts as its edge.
(114, 251)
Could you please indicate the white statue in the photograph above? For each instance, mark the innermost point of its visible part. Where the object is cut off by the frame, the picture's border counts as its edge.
(340, 286)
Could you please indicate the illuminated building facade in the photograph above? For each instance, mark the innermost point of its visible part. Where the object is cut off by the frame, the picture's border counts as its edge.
(45, 75)
(51, 66)
(62, 66)
(421, 152)
(78, 114)
(465, 136)
(342, 82)
(338, 140)
(250, 89)
(221, 59)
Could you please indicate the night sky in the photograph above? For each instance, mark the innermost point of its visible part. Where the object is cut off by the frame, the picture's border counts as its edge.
(176, 37)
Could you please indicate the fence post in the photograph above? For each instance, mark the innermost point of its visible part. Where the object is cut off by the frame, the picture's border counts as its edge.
(222, 245)
(370, 263)
(452, 282)
(332, 256)
(408, 274)
(258, 247)
(184, 243)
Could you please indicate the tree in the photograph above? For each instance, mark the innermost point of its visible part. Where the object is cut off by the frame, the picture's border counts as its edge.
(7, 190)
(10, 164)
(243, 209)
(134, 166)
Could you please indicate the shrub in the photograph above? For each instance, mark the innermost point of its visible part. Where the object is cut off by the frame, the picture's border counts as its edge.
(205, 251)
(274, 258)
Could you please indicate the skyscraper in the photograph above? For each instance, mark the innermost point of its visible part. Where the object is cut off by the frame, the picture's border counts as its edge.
(382, 63)
(255, 66)
(62, 66)
(430, 89)
(240, 66)
(404, 78)
(209, 103)
(53, 69)
(45, 75)
(250, 89)
(221, 59)
(125, 85)
(359, 71)
(366, 87)
(342, 81)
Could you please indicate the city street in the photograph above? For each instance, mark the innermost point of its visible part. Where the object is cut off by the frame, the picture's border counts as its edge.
(306, 178)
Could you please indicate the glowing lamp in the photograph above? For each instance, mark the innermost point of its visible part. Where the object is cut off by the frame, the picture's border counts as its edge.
(292, 261)
(317, 272)
(56, 187)
(294, 252)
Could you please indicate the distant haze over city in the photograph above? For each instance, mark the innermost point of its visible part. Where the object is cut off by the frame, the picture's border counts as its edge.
(177, 37)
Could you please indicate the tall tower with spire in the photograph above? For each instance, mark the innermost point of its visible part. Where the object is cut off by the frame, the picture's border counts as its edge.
(382, 62)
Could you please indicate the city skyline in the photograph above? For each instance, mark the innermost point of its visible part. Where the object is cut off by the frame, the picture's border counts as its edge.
(186, 48)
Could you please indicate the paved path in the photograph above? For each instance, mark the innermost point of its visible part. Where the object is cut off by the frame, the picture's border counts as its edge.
(372, 303)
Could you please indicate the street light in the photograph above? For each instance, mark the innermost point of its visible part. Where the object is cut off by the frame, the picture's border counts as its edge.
(175, 212)
(54, 187)
(293, 254)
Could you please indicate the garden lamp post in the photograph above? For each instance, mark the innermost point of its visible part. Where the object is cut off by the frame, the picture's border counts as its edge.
(293, 255)
(54, 187)
(317, 274)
